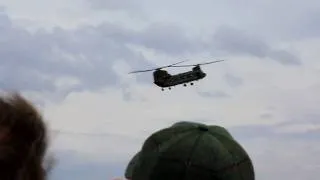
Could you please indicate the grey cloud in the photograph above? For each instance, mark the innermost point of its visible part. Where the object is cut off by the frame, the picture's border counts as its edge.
(112, 4)
(215, 94)
(25, 79)
(127, 95)
(307, 25)
(273, 20)
(288, 158)
(276, 20)
(238, 42)
(130, 7)
(270, 153)
(310, 118)
(35, 61)
(169, 39)
(292, 20)
(273, 131)
(266, 116)
(275, 154)
(232, 80)
(88, 53)
(72, 167)
(284, 57)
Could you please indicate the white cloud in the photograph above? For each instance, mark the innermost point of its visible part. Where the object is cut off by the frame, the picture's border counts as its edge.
(36, 14)
(287, 93)
(266, 85)
(299, 128)
(127, 111)
(292, 158)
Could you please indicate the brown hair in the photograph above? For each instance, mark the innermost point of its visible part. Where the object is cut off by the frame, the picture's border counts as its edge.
(23, 140)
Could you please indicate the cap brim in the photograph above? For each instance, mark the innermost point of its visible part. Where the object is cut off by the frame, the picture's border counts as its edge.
(131, 166)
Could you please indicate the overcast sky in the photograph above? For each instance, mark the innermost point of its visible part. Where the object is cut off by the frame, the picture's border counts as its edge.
(72, 58)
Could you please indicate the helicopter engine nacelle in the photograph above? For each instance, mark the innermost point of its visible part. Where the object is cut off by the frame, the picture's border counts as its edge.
(199, 72)
(197, 69)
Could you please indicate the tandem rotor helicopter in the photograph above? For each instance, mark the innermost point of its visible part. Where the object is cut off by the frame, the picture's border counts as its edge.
(164, 79)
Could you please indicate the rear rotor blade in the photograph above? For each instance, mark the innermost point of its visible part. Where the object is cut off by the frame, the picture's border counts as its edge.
(211, 62)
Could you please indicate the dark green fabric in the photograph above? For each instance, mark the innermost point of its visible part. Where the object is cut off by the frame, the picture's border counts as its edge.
(133, 162)
(191, 151)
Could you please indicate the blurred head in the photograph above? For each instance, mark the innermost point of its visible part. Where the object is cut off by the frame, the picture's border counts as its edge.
(23, 139)
(191, 151)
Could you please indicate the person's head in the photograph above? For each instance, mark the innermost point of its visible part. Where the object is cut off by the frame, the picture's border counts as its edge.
(23, 140)
(191, 151)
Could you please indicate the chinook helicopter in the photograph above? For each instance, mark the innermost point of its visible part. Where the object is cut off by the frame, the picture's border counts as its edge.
(164, 79)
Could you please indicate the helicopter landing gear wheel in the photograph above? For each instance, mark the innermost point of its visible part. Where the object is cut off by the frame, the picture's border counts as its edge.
(191, 84)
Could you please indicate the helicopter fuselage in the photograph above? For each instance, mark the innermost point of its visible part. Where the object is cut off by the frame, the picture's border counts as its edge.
(163, 79)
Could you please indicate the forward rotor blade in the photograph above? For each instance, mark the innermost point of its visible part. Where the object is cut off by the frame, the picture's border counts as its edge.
(198, 64)
(141, 71)
(156, 68)
(172, 64)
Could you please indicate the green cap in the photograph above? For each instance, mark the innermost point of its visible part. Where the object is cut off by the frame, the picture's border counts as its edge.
(133, 162)
(191, 151)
